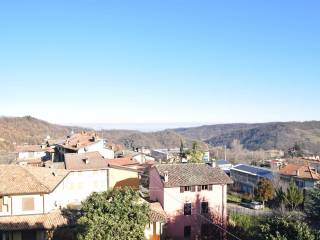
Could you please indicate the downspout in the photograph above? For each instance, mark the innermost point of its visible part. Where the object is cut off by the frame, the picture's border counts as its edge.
(223, 206)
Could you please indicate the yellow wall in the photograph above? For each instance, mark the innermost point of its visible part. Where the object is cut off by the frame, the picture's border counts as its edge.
(122, 176)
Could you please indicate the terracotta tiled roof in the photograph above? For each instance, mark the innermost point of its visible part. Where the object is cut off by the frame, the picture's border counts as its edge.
(80, 140)
(16, 179)
(191, 174)
(85, 161)
(126, 161)
(28, 222)
(157, 214)
(129, 182)
(299, 171)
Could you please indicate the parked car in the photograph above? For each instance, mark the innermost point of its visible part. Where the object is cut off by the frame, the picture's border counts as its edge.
(253, 205)
(256, 205)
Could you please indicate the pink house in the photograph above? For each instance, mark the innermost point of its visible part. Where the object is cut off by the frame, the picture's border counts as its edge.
(193, 196)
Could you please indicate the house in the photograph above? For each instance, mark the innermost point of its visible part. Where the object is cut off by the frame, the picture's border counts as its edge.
(158, 217)
(84, 142)
(246, 177)
(274, 164)
(141, 157)
(34, 154)
(30, 199)
(206, 156)
(104, 174)
(191, 195)
(166, 154)
(303, 175)
(225, 165)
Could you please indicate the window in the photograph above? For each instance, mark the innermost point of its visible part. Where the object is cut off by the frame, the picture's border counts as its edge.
(204, 207)
(28, 204)
(206, 231)
(187, 209)
(187, 231)
(187, 189)
(204, 187)
(3, 204)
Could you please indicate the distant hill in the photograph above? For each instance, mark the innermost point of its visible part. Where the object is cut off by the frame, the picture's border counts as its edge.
(279, 135)
(160, 139)
(28, 130)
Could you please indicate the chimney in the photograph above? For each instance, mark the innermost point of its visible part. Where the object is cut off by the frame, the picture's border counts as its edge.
(166, 176)
(213, 163)
(297, 172)
(86, 160)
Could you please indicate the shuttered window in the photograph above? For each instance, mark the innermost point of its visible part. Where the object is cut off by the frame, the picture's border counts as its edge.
(28, 204)
(204, 207)
(187, 208)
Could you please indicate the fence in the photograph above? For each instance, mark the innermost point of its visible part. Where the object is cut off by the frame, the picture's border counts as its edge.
(248, 211)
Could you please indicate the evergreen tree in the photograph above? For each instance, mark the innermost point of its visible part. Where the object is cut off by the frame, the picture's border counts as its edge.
(312, 204)
(293, 196)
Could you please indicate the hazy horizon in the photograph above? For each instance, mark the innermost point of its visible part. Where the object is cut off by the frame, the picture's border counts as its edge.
(160, 61)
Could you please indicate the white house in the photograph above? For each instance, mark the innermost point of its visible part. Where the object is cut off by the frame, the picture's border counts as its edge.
(84, 142)
(30, 198)
(33, 154)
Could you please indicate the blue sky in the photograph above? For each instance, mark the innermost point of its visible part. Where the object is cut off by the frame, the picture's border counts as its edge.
(153, 61)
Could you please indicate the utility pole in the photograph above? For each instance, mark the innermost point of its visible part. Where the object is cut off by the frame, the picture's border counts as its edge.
(225, 152)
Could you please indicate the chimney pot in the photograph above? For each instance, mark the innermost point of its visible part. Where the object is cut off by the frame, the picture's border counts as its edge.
(166, 176)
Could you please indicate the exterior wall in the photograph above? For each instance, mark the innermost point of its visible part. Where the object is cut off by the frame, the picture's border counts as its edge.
(142, 158)
(76, 187)
(107, 153)
(159, 155)
(17, 204)
(117, 175)
(98, 147)
(245, 182)
(8, 208)
(174, 207)
(301, 183)
(172, 201)
(153, 231)
(156, 190)
(30, 155)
